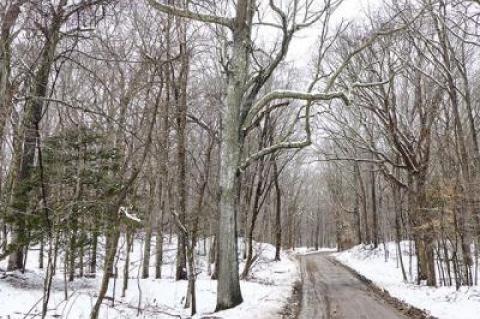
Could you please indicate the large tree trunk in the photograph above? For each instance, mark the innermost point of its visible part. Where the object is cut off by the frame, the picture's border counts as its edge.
(8, 17)
(228, 290)
(31, 121)
(423, 232)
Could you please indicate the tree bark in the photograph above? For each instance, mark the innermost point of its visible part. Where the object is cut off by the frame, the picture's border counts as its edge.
(363, 197)
(126, 268)
(148, 230)
(111, 249)
(464, 159)
(356, 205)
(33, 115)
(398, 226)
(8, 17)
(181, 118)
(228, 285)
(278, 212)
(373, 188)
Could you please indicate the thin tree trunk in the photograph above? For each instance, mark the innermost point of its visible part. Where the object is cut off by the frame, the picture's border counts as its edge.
(466, 175)
(356, 204)
(278, 211)
(398, 227)
(163, 182)
(93, 253)
(373, 187)
(74, 216)
(159, 247)
(41, 253)
(126, 268)
(111, 249)
(50, 230)
(181, 267)
(363, 193)
(148, 231)
(191, 300)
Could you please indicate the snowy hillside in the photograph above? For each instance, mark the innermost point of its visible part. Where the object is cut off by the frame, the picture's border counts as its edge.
(265, 293)
(382, 268)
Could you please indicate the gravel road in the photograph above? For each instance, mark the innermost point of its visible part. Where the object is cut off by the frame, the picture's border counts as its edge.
(332, 292)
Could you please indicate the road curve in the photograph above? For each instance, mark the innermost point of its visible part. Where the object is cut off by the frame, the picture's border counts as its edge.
(332, 292)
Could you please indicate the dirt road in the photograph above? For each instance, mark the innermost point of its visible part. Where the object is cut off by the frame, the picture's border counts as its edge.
(331, 292)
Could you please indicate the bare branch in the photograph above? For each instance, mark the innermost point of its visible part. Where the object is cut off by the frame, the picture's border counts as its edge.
(365, 45)
(258, 117)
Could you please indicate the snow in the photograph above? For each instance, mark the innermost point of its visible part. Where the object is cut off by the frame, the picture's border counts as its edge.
(440, 302)
(265, 293)
(130, 216)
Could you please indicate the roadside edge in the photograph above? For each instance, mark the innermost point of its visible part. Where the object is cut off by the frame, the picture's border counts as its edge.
(405, 308)
(292, 308)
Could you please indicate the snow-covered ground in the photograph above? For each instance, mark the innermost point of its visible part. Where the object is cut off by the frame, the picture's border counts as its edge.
(441, 302)
(265, 293)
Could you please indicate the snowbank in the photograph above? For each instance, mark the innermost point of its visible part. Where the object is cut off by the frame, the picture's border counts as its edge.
(265, 293)
(441, 302)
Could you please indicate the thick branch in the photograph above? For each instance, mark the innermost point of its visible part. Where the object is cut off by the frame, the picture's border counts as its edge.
(286, 94)
(227, 22)
(274, 148)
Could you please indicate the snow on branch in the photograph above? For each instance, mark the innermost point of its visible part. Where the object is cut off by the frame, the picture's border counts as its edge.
(362, 47)
(369, 84)
(227, 22)
(297, 95)
(124, 210)
(274, 148)
(259, 108)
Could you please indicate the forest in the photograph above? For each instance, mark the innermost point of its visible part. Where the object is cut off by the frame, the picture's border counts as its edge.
(197, 145)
